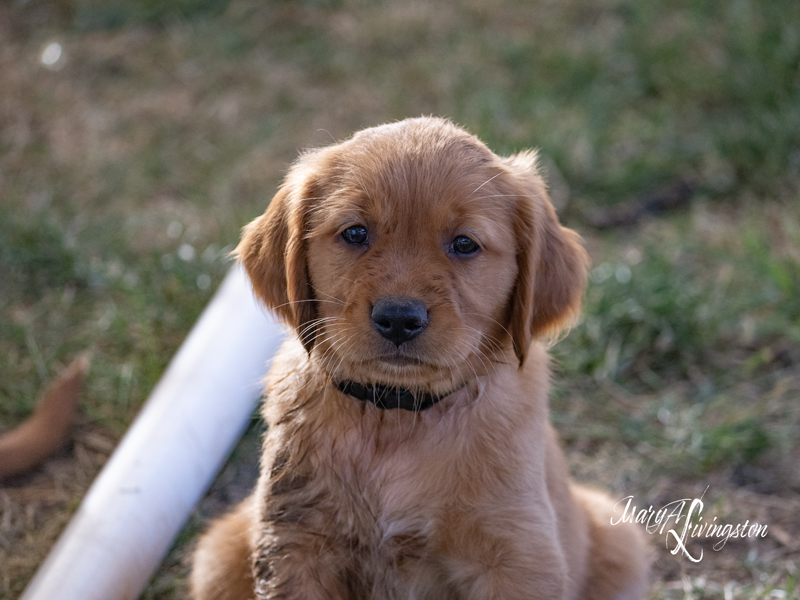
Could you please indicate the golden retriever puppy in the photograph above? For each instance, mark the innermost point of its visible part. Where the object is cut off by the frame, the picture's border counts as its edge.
(409, 452)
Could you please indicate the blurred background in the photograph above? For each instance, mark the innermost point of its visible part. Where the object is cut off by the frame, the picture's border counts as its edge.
(138, 136)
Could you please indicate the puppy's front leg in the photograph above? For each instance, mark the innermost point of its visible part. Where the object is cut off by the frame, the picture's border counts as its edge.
(297, 553)
(295, 564)
(505, 559)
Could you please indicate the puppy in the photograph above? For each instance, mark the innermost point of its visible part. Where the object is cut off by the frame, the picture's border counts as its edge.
(409, 452)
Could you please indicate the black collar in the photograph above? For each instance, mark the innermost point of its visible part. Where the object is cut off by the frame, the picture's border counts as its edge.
(390, 397)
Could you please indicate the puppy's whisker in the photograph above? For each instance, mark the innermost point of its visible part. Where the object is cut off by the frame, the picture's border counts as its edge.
(495, 321)
(469, 364)
(311, 328)
(335, 299)
(477, 352)
(485, 182)
(484, 364)
(339, 343)
(480, 340)
(335, 347)
(291, 302)
(332, 348)
(314, 323)
(501, 196)
(345, 356)
(325, 339)
(319, 320)
(482, 335)
(330, 134)
(353, 281)
(474, 373)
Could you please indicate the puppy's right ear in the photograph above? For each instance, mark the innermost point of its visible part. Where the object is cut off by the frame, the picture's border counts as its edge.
(273, 251)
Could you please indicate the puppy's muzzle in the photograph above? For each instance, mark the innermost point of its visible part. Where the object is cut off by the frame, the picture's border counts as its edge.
(399, 319)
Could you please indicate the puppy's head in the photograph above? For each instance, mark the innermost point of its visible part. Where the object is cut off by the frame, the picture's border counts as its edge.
(411, 255)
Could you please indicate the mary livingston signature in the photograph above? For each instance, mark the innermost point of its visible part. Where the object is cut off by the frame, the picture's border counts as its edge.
(685, 524)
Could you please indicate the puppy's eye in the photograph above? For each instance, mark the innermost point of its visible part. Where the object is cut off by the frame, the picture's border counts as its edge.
(356, 235)
(464, 245)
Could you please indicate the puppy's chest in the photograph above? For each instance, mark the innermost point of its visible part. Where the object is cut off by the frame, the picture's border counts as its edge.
(384, 489)
(388, 532)
(378, 500)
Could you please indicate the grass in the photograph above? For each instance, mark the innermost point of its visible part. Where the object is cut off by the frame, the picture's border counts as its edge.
(711, 315)
(128, 166)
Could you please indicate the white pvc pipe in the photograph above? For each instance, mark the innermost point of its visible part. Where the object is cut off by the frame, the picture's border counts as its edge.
(169, 456)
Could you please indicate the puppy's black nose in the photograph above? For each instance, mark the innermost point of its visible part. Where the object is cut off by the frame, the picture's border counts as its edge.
(399, 319)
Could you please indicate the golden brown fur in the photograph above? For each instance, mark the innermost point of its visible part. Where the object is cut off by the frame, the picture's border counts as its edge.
(471, 497)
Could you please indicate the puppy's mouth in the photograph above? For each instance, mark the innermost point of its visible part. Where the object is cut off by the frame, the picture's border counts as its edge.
(401, 360)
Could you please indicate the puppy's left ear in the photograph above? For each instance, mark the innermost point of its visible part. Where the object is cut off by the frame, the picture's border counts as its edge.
(551, 262)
